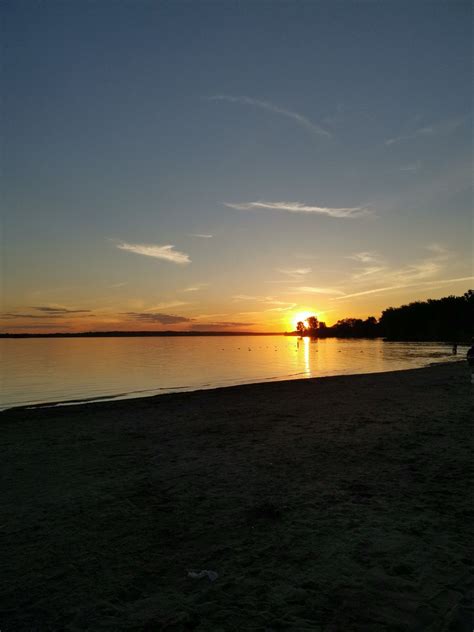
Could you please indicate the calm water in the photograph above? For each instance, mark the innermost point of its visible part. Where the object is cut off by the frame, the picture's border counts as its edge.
(60, 370)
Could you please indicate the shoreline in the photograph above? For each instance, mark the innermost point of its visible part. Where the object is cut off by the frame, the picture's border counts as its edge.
(330, 503)
(130, 397)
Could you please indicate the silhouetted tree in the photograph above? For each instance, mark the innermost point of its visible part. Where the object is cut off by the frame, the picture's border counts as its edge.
(312, 323)
(300, 327)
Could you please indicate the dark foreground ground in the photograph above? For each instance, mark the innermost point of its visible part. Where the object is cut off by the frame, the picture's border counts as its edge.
(334, 504)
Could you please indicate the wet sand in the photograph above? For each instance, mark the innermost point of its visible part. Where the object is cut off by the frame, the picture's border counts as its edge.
(340, 503)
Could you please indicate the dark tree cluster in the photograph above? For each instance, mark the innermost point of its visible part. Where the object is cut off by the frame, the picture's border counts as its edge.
(354, 328)
(448, 319)
(345, 328)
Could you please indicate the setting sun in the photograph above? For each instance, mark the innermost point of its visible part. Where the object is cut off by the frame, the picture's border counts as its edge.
(300, 316)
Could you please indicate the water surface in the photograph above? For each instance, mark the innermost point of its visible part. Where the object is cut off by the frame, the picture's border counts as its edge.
(39, 370)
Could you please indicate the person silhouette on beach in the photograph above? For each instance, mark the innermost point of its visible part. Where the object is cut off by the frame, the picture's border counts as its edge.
(470, 361)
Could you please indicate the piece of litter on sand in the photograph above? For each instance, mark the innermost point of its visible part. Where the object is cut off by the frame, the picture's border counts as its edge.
(211, 575)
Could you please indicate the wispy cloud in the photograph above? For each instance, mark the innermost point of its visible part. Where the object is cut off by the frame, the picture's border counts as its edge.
(443, 127)
(166, 305)
(195, 288)
(412, 167)
(224, 325)
(162, 319)
(60, 311)
(13, 315)
(376, 269)
(367, 271)
(166, 252)
(40, 326)
(246, 297)
(201, 235)
(433, 284)
(372, 264)
(282, 309)
(47, 312)
(440, 251)
(298, 207)
(296, 273)
(271, 107)
(268, 300)
(306, 289)
(365, 257)
(421, 273)
(422, 131)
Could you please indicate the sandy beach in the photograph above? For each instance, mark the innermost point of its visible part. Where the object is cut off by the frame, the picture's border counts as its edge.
(340, 503)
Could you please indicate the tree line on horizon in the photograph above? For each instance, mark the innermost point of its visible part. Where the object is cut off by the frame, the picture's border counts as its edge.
(446, 319)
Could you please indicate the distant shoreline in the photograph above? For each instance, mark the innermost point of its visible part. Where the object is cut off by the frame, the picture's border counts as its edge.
(141, 334)
(196, 334)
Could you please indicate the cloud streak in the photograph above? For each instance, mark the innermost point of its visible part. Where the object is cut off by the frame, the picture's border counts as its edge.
(296, 273)
(165, 305)
(271, 107)
(162, 319)
(166, 252)
(48, 312)
(365, 257)
(434, 284)
(298, 207)
(443, 127)
(306, 289)
(195, 288)
(205, 326)
(422, 131)
(61, 311)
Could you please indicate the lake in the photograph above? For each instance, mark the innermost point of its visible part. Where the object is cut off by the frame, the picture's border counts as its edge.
(37, 371)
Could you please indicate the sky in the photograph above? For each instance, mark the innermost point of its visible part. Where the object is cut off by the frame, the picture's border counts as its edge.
(232, 165)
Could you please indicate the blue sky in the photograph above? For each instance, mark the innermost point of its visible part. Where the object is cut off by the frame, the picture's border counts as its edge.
(325, 146)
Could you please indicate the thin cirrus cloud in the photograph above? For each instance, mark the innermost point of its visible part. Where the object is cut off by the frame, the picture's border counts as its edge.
(375, 268)
(296, 273)
(371, 261)
(443, 127)
(165, 305)
(166, 252)
(433, 284)
(161, 319)
(205, 326)
(413, 167)
(422, 131)
(47, 312)
(60, 311)
(298, 207)
(282, 309)
(195, 288)
(365, 257)
(14, 315)
(269, 300)
(306, 289)
(41, 326)
(271, 107)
